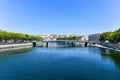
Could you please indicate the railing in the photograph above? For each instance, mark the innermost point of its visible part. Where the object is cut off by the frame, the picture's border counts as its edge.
(13, 43)
(63, 41)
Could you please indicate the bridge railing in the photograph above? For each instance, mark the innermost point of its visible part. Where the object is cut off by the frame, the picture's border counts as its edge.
(63, 41)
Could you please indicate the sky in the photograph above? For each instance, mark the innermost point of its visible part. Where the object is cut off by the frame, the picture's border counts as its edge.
(81, 17)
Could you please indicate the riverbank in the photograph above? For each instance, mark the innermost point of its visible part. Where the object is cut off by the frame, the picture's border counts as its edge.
(97, 45)
(16, 48)
(9, 46)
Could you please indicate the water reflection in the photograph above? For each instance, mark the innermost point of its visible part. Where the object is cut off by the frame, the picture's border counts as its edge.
(84, 63)
(112, 55)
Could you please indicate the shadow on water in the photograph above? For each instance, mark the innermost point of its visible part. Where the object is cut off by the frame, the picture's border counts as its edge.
(14, 51)
(112, 55)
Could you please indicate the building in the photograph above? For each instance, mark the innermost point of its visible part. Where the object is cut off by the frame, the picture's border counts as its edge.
(49, 37)
(53, 37)
(94, 37)
(81, 38)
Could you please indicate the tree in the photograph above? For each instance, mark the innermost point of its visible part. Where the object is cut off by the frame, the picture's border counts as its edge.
(110, 37)
(113, 37)
(4, 35)
(117, 35)
(104, 36)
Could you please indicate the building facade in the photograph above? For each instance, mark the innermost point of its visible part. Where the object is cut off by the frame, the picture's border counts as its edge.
(53, 37)
(94, 37)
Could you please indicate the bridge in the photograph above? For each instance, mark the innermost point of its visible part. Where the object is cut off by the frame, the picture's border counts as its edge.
(60, 43)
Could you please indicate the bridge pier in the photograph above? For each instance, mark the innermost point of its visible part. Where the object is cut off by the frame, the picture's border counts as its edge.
(86, 44)
(47, 44)
(73, 44)
(34, 44)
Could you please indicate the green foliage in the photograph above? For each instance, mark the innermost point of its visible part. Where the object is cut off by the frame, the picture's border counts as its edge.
(67, 38)
(111, 36)
(4, 35)
(106, 36)
(117, 35)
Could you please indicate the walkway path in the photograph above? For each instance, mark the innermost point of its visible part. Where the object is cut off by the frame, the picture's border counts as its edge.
(97, 45)
(15, 45)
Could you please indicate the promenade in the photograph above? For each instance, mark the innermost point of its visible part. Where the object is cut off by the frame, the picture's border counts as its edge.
(97, 45)
(15, 45)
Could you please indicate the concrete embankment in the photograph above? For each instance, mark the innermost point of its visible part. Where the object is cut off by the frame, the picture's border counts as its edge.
(97, 45)
(15, 45)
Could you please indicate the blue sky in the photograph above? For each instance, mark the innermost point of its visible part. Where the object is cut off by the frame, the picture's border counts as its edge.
(59, 16)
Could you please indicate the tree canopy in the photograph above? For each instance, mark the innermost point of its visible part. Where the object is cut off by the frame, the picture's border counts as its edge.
(111, 36)
(4, 35)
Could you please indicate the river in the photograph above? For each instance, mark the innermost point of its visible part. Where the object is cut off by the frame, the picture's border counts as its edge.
(82, 63)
